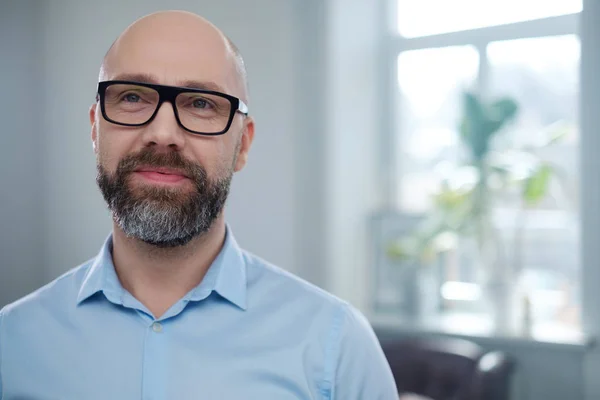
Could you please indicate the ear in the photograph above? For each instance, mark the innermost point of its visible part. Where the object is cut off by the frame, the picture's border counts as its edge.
(94, 125)
(246, 142)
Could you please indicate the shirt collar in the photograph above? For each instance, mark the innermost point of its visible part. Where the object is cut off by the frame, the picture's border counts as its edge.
(226, 276)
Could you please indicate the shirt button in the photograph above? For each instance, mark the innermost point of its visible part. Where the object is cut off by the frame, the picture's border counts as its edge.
(157, 327)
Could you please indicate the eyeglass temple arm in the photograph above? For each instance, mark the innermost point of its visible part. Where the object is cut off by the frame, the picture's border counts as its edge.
(243, 108)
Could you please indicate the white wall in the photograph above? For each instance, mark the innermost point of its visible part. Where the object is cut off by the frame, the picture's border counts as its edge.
(353, 66)
(275, 204)
(20, 151)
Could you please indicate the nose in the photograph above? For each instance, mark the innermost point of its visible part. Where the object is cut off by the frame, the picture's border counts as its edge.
(163, 130)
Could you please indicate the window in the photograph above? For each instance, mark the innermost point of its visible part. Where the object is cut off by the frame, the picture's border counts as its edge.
(430, 82)
(431, 17)
(528, 50)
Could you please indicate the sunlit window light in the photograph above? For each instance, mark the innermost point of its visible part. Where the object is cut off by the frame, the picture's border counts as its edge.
(461, 291)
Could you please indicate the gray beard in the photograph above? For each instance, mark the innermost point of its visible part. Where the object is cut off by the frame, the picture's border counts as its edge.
(163, 217)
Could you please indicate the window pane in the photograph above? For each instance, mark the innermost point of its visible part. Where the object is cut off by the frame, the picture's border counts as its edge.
(430, 17)
(542, 75)
(431, 82)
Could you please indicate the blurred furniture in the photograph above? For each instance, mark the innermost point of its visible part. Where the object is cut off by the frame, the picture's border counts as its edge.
(449, 369)
(412, 396)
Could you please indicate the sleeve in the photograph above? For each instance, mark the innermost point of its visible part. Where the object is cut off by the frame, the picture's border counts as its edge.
(362, 371)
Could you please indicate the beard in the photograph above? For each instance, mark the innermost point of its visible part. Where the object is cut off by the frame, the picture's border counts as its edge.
(162, 216)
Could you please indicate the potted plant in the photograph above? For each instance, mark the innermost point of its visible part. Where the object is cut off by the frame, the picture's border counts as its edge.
(463, 207)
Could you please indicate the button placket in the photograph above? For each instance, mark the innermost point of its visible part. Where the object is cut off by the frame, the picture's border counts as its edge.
(155, 362)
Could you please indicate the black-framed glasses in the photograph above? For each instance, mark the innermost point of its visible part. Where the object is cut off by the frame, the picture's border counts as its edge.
(199, 111)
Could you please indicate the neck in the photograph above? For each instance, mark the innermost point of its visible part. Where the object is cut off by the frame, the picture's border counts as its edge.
(159, 277)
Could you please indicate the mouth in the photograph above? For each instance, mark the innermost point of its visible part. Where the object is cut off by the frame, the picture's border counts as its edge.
(161, 175)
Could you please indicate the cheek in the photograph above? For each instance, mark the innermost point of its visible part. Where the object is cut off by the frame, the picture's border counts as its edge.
(228, 157)
(111, 149)
(217, 157)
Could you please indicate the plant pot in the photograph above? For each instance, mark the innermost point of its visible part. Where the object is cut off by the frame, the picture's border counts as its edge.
(499, 304)
(421, 288)
(496, 282)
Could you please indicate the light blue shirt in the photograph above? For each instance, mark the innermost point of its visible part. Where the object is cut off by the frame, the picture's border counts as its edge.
(249, 331)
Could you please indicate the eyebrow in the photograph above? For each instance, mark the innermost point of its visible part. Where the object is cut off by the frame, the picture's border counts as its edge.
(148, 78)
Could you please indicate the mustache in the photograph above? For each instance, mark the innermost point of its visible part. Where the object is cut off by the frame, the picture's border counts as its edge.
(152, 158)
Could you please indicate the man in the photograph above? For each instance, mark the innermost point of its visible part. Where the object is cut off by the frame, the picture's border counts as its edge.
(172, 308)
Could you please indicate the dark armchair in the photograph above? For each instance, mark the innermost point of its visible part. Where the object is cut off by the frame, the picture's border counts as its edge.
(449, 369)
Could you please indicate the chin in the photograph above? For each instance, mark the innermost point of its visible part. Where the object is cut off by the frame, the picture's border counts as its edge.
(170, 243)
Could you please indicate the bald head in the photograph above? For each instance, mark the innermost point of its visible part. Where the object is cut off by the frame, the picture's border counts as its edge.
(174, 47)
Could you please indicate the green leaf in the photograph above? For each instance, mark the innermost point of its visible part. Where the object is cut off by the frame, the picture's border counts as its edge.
(481, 122)
(472, 121)
(498, 115)
(503, 110)
(558, 132)
(449, 199)
(473, 108)
(399, 250)
(536, 185)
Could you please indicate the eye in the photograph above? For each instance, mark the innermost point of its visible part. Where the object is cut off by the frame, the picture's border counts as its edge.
(131, 98)
(201, 103)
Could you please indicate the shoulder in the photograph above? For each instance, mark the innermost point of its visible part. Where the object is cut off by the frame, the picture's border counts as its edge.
(350, 357)
(54, 295)
(270, 284)
(276, 283)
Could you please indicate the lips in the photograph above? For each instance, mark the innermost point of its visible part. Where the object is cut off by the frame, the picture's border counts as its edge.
(160, 174)
(161, 170)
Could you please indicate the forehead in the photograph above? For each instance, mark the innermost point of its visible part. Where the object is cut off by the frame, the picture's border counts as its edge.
(173, 55)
